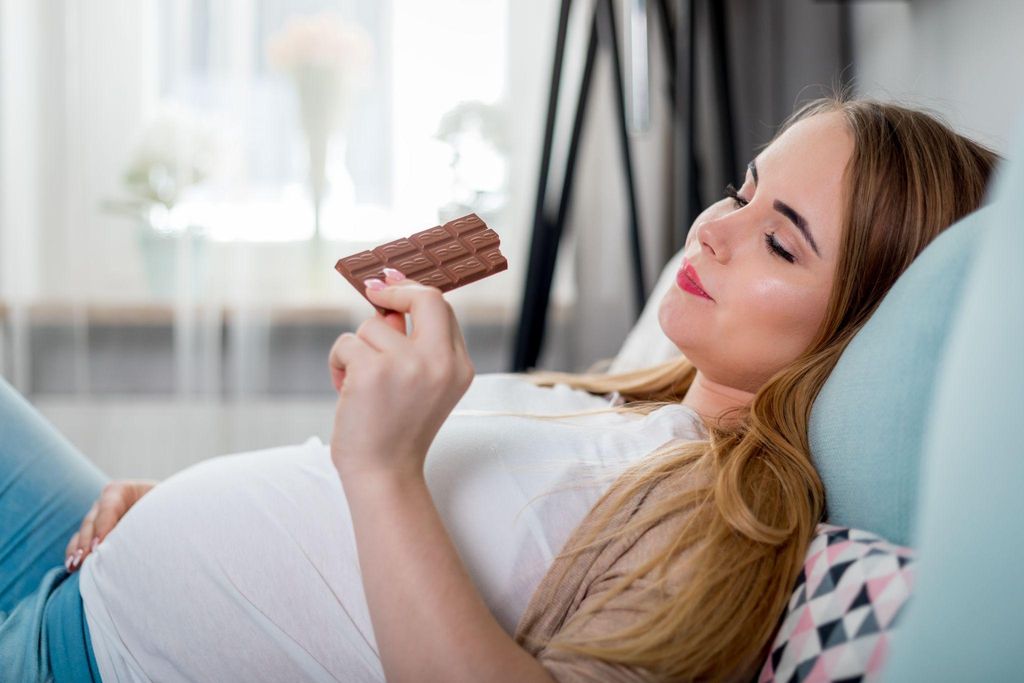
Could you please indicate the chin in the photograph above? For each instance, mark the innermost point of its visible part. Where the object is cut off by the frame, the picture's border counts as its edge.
(670, 316)
(664, 312)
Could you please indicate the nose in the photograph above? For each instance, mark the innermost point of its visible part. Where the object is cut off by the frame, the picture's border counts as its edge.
(713, 236)
(705, 246)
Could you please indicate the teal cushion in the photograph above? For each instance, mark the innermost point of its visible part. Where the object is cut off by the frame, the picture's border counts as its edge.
(963, 622)
(867, 424)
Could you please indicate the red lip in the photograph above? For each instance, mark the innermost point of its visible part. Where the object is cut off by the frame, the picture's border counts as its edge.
(687, 277)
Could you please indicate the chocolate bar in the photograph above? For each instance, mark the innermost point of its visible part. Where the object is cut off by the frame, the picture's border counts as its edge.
(446, 256)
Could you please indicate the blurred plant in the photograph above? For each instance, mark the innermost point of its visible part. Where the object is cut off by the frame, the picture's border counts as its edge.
(327, 58)
(476, 133)
(177, 150)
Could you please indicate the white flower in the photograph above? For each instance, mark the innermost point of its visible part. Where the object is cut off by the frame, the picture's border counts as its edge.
(322, 40)
(176, 150)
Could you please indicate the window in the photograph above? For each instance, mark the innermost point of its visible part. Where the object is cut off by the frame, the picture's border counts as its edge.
(425, 137)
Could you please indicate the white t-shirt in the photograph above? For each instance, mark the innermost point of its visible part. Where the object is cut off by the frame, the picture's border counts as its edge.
(244, 567)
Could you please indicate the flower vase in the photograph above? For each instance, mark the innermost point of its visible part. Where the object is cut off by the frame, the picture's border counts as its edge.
(316, 270)
(340, 187)
(317, 145)
(174, 263)
(320, 91)
(159, 261)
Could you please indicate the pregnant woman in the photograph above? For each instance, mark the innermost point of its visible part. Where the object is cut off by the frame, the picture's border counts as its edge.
(646, 526)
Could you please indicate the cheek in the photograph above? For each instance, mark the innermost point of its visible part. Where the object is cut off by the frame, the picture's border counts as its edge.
(756, 333)
(770, 329)
(783, 319)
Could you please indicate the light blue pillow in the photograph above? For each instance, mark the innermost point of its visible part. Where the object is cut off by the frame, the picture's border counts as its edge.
(964, 619)
(868, 421)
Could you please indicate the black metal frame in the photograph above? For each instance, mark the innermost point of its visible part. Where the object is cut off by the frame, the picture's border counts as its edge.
(549, 226)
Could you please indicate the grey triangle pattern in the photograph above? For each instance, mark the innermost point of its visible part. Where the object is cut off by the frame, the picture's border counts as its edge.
(869, 626)
(825, 587)
(801, 596)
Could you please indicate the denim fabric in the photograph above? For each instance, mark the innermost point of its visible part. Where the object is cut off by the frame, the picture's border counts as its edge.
(46, 488)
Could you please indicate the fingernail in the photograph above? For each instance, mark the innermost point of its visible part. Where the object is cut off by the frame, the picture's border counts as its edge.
(374, 284)
(67, 563)
(394, 275)
(78, 557)
(95, 542)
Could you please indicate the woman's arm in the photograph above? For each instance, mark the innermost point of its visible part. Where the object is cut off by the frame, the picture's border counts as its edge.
(394, 393)
(430, 622)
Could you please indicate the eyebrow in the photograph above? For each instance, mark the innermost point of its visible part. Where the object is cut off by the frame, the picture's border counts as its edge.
(786, 210)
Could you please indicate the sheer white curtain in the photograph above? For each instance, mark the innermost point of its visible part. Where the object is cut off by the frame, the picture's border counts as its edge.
(82, 85)
(90, 297)
(152, 351)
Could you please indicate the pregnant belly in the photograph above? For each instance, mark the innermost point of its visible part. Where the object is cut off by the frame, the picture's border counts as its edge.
(244, 564)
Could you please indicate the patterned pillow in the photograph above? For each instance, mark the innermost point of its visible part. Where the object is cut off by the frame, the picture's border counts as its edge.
(847, 598)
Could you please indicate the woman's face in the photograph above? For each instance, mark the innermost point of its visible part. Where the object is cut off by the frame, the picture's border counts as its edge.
(764, 308)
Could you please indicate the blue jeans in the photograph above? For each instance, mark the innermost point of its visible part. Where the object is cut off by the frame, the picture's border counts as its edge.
(46, 488)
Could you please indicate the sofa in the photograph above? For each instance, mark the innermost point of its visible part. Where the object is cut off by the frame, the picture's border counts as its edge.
(912, 578)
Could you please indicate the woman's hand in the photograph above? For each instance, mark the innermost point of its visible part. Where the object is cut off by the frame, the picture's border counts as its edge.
(395, 391)
(115, 500)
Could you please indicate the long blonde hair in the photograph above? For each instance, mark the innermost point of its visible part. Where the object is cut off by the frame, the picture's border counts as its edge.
(910, 176)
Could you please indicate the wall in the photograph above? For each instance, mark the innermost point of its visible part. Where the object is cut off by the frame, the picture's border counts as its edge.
(964, 60)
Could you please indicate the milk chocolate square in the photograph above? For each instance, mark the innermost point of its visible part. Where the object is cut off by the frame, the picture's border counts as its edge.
(446, 256)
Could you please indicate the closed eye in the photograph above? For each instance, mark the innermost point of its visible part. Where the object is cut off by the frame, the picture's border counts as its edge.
(774, 246)
(733, 194)
(769, 238)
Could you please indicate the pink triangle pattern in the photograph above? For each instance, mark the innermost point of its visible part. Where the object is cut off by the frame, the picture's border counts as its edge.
(835, 551)
(806, 622)
(876, 586)
(872, 590)
(878, 656)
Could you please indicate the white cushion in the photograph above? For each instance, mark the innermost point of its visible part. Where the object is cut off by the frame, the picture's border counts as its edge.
(646, 344)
